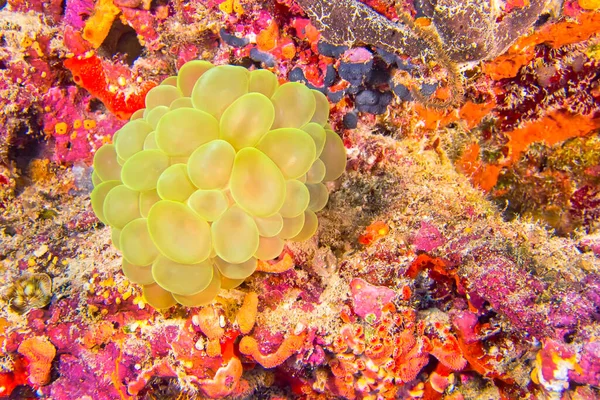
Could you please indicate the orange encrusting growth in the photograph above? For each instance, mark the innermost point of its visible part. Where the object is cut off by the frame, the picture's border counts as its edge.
(374, 232)
(286, 263)
(555, 35)
(225, 380)
(246, 315)
(98, 25)
(555, 127)
(40, 353)
(291, 344)
(88, 72)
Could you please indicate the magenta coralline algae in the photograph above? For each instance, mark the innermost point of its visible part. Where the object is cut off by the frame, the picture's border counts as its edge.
(427, 238)
(369, 299)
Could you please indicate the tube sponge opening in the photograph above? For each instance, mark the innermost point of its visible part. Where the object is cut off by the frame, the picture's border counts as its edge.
(222, 167)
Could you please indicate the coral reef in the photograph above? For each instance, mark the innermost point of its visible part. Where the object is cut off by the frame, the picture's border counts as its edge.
(456, 258)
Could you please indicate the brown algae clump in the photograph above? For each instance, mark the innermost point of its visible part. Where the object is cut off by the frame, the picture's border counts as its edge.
(221, 167)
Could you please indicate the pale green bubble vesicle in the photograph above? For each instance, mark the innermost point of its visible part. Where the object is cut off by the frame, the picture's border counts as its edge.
(131, 138)
(210, 165)
(204, 297)
(257, 184)
(263, 81)
(321, 115)
(269, 226)
(295, 105)
(269, 248)
(292, 227)
(311, 223)
(316, 173)
(157, 297)
(219, 87)
(182, 279)
(142, 170)
(317, 133)
(162, 95)
(293, 150)
(121, 206)
(236, 271)
(296, 199)
(179, 233)
(175, 184)
(333, 156)
(235, 236)
(99, 195)
(189, 74)
(147, 200)
(105, 164)
(247, 120)
(142, 275)
(136, 244)
(209, 204)
(183, 130)
(319, 195)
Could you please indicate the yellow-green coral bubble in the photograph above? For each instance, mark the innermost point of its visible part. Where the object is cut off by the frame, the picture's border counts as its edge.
(150, 142)
(178, 160)
(181, 131)
(321, 114)
(204, 297)
(136, 115)
(210, 165)
(142, 275)
(96, 179)
(269, 226)
(174, 183)
(105, 163)
(311, 223)
(269, 248)
(235, 236)
(317, 133)
(292, 227)
(162, 95)
(136, 244)
(294, 105)
(99, 195)
(228, 284)
(334, 156)
(182, 279)
(257, 184)
(121, 206)
(154, 115)
(131, 138)
(247, 120)
(293, 150)
(263, 81)
(318, 196)
(115, 235)
(209, 204)
(236, 271)
(147, 200)
(219, 87)
(171, 81)
(142, 170)
(183, 102)
(189, 74)
(296, 199)
(179, 233)
(157, 297)
(316, 173)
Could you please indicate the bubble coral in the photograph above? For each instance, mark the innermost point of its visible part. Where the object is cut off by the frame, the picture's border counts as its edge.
(221, 167)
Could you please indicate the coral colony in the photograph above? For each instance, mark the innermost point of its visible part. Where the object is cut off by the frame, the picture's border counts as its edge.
(300, 199)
